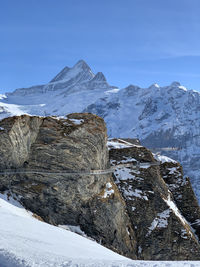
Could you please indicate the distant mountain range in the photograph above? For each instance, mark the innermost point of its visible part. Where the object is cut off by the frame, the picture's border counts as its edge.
(165, 119)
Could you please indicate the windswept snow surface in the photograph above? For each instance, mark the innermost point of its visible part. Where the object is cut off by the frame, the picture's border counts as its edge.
(27, 242)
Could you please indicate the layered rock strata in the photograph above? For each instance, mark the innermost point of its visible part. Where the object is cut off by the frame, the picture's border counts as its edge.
(57, 146)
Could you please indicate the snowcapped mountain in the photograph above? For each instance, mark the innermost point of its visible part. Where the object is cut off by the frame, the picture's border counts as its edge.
(166, 119)
(72, 90)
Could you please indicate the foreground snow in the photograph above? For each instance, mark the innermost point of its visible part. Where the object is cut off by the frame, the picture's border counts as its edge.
(25, 241)
(29, 242)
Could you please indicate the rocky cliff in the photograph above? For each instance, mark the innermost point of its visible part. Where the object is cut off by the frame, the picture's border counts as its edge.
(77, 143)
(145, 210)
(160, 202)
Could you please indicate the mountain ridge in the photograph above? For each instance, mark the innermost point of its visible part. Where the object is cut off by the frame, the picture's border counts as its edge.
(160, 116)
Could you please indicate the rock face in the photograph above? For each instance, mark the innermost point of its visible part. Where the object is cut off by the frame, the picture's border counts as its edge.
(182, 192)
(91, 202)
(159, 208)
(144, 211)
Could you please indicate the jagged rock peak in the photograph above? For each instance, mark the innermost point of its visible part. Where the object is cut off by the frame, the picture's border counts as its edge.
(154, 85)
(68, 73)
(175, 84)
(99, 77)
(81, 64)
(131, 90)
(132, 87)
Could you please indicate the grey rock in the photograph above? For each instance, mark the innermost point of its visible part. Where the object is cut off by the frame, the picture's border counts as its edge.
(76, 143)
(162, 232)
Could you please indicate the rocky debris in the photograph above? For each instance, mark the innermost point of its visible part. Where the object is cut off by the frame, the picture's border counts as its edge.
(161, 227)
(52, 144)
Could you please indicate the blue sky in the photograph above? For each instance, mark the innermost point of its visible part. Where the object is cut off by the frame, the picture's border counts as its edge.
(131, 41)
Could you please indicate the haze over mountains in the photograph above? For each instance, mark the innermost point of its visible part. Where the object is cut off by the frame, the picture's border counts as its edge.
(166, 119)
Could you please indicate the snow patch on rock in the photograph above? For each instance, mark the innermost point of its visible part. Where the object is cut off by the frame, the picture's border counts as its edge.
(161, 221)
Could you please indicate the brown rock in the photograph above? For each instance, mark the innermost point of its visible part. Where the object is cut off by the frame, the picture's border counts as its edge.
(73, 144)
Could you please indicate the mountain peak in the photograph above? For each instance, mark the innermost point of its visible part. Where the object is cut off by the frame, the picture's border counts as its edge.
(175, 84)
(154, 85)
(178, 85)
(81, 64)
(132, 87)
(99, 77)
(79, 69)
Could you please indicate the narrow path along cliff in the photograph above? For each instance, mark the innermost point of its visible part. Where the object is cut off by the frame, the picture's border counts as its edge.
(116, 192)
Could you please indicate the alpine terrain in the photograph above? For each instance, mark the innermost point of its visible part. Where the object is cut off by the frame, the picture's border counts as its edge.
(165, 119)
(115, 192)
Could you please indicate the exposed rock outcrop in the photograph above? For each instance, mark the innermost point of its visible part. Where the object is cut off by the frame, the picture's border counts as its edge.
(58, 145)
(162, 229)
(143, 211)
(183, 194)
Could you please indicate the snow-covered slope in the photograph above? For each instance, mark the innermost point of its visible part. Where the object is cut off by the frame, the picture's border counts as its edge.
(72, 90)
(28, 242)
(166, 119)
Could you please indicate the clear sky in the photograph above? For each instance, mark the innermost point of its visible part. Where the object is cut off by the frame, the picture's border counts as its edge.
(131, 41)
